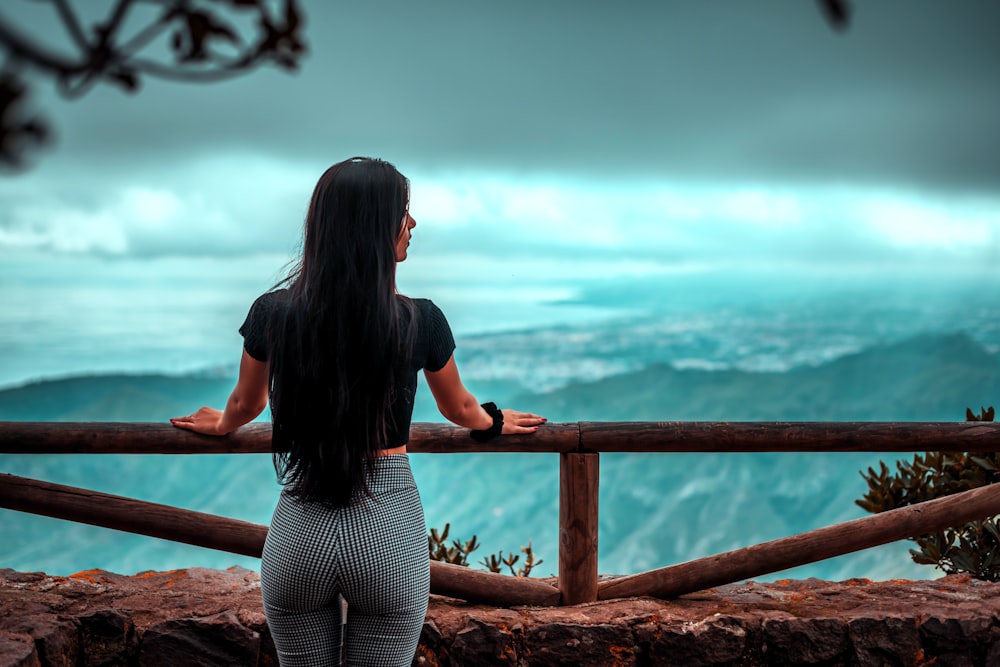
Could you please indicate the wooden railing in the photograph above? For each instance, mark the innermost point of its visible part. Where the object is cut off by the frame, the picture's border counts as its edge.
(579, 446)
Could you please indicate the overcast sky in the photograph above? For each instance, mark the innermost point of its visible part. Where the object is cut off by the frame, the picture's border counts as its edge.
(652, 134)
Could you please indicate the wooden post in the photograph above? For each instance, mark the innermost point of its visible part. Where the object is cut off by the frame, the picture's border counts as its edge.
(578, 485)
(815, 545)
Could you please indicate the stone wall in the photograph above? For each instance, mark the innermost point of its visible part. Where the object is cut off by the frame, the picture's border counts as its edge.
(214, 618)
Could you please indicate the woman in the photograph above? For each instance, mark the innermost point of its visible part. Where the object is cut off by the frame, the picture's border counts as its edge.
(337, 350)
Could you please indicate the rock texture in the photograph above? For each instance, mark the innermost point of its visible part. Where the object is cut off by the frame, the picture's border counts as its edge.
(213, 618)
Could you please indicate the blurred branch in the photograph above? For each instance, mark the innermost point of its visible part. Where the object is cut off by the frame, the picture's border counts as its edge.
(837, 12)
(19, 131)
(185, 40)
(200, 40)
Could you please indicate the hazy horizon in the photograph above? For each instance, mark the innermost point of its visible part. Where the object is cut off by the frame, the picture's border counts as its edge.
(551, 148)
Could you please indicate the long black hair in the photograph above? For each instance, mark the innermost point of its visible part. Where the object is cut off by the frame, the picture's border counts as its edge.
(340, 336)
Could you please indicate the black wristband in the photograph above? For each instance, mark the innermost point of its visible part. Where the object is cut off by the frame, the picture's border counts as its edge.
(487, 434)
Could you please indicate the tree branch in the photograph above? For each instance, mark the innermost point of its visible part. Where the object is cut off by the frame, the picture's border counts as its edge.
(106, 55)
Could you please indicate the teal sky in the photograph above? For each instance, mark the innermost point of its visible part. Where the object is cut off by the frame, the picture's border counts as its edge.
(631, 138)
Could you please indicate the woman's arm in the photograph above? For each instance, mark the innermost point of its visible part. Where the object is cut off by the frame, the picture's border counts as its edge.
(249, 398)
(459, 406)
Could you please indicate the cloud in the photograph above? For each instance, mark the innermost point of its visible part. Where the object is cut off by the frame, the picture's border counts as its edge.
(588, 229)
(62, 231)
(243, 205)
(232, 205)
(964, 224)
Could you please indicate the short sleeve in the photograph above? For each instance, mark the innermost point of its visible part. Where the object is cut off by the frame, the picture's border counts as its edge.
(254, 328)
(440, 341)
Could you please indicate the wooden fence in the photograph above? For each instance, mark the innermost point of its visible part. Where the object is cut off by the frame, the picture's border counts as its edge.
(579, 446)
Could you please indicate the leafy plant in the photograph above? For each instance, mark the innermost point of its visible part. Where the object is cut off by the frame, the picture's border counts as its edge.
(495, 561)
(974, 547)
(458, 553)
(985, 415)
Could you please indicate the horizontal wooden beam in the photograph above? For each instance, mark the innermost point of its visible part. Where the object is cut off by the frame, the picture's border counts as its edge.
(254, 438)
(789, 436)
(235, 536)
(132, 516)
(815, 545)
(126, 438)
(462, 582)
(430, 438)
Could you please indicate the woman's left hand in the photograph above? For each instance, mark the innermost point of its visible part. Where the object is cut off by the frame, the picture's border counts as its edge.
(207, 421)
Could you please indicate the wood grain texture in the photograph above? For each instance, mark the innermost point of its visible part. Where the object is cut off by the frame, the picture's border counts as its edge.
(789, 436)
(809, 547)
(579, 475)
(578, 445)
(430, 438)
(130, 515)
(235, 536)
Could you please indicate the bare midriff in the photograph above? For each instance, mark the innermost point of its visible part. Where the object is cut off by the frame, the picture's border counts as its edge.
(389, 452)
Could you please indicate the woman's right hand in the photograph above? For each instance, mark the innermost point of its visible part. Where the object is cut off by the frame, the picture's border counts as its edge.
(206, 421)
(515, 422)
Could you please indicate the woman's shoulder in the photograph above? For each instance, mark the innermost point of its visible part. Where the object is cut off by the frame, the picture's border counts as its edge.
(421, 303)
(431, 321)
(261, 311)
(425, 308)
(268, 301)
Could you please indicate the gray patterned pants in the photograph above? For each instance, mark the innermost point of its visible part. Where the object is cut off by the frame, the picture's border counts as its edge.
(373, 553)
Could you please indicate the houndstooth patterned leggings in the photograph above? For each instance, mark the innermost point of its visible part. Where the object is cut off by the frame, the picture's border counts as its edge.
(373, 553)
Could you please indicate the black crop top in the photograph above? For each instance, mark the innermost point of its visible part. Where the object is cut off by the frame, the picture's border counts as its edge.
(432, 348)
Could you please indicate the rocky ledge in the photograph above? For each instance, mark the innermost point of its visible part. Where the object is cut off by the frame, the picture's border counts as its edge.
(213, 618)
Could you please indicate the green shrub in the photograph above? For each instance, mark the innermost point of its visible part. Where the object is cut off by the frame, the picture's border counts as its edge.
(972, 548)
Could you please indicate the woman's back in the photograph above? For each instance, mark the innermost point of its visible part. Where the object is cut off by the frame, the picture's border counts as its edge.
(337, 350)
(315, 408)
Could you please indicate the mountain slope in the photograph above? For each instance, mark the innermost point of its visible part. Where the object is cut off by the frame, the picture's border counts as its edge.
(927, 378)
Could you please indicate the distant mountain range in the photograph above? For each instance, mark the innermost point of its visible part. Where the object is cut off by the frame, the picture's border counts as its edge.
(656, 509)
(926, 378)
